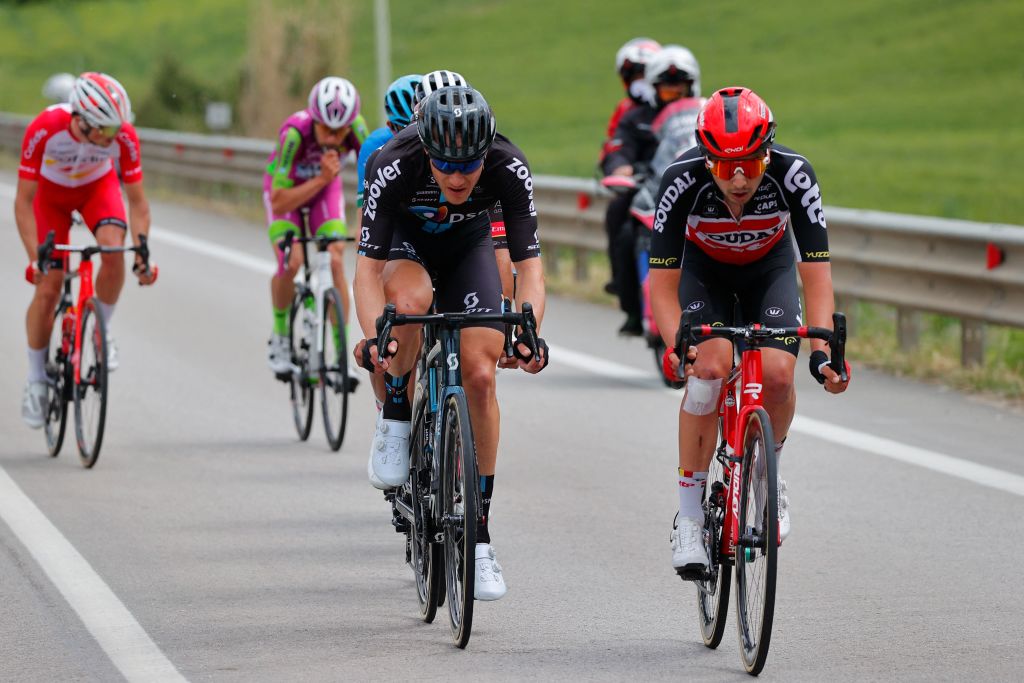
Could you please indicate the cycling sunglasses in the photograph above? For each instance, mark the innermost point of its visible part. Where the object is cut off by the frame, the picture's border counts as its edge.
(727, 168)
(106, 131)
(463, 167)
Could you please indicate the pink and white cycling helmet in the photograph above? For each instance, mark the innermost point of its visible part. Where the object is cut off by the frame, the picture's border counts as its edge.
(100, 100)
(334, 102)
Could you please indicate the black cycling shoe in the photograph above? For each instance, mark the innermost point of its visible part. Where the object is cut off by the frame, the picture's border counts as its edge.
(633, 327)
(611, 288)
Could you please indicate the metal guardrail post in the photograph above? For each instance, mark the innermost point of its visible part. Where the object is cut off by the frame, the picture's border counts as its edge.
(972, 343)
(908, 328)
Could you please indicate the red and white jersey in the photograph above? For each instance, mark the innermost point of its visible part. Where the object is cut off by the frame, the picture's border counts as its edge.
(50, 151)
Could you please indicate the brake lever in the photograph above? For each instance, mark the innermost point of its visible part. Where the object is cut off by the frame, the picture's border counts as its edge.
(837, 345)
(384, 324)
(684, 335)
(530, 328)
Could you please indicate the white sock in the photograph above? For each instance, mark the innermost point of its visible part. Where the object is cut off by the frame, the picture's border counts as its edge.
(691, 491)
(108, 311)
(37, 364)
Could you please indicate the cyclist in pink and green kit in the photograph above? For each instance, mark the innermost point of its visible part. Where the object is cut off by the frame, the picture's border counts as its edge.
(303, 172)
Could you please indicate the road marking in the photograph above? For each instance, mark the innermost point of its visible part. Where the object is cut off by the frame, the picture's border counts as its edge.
(130, 649)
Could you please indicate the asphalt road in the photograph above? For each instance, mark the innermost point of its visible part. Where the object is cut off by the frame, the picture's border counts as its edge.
(236, 552)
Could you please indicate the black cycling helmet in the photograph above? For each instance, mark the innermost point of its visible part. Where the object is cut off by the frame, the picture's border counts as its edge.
(455, 124)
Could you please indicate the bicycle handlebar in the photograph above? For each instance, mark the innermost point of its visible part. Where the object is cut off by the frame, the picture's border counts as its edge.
(46, 249)
(391, 318)
(284, 245)
(755, 332)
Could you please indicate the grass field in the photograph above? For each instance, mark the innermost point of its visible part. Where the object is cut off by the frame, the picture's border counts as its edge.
(906, 106)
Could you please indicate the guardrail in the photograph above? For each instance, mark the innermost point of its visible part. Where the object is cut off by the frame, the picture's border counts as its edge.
(971, 271)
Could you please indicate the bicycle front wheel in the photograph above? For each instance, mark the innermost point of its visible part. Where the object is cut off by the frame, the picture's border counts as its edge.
(58, 381)
(334, 386)
(461, 488)
(90, 391)
(758, 545)
(713, 594)
(300, 337)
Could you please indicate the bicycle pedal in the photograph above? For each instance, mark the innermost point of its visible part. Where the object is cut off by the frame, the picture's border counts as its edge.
(283, 376)
(401, 525)
(694, 572)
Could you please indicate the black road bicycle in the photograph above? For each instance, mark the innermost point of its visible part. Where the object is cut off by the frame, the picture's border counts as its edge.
(439, 505)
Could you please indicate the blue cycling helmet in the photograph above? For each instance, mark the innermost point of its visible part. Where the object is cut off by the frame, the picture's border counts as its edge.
(400, 100)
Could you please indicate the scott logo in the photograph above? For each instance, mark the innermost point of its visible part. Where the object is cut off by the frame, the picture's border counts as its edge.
(364, 234)
(471, 300)
(453, 361)
(774, 312)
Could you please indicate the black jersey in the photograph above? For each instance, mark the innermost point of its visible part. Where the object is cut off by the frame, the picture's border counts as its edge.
(400, 193)
(691, 208)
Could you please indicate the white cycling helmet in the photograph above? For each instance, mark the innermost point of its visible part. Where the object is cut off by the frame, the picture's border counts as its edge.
(100, 100)
(637, 52)
(439, 79)
(674, 64)
(58, 87)
(334, 102)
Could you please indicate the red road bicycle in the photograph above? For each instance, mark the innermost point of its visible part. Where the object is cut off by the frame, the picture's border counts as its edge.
(76, 369)
(741, 505)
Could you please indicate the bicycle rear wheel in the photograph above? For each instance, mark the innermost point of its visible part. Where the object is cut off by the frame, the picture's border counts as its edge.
(334, 386)
(426, 555)
(58, 381)
(460, 496)
(713, 594)
(300, 337)
(758, 545)
(90, 391)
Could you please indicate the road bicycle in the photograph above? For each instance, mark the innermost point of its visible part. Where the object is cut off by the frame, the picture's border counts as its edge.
(439, 505)
(741, 504)
(318, 342)
(76, 366)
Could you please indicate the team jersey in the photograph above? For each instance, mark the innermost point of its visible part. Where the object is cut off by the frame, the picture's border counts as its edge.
(371, 144)
(399, 192)
(49, 151)
(692, 209)
(296, 158)
(609, 146)
(634, 141)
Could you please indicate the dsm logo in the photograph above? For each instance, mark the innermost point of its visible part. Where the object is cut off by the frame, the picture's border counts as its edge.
(774, 312)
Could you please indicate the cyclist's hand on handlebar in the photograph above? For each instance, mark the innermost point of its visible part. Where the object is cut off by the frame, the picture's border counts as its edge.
(523, 355)
(508, 362)
(670, 364)
(146, 272)
(367, 357)
(625, 170)
(826, 376)
(330, 164)
(32, 273)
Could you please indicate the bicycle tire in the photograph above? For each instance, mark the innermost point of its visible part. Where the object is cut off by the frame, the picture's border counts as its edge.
(426, 555)
(713, 595)
(59, 379)
(90, 392)
(300, 341)
(334, 385)
(459, 503)
(758, 545)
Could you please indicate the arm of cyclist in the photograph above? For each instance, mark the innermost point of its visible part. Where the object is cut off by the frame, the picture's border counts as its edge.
(530, 288)
(139, 218)
(285, 199)
(368, 287)
(666, 309)
(26, 220)
(820, 304)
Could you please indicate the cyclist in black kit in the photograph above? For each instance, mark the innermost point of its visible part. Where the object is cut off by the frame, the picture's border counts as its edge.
(426, 235)
(673, 73)
(720, 232)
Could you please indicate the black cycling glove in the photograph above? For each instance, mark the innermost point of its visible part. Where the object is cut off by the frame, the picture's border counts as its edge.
(819, 359)
(542, 349)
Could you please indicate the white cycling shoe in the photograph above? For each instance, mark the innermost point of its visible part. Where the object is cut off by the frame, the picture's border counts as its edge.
(34, 404)
(688, 550)
(279, 354)
(489, 583)
(389, 454)
(113, 356)
(783, 510)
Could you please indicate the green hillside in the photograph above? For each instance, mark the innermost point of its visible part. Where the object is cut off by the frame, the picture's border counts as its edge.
(902, 106)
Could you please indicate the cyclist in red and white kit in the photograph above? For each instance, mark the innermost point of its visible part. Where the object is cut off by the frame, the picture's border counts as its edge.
(737, 217)
(67, 164)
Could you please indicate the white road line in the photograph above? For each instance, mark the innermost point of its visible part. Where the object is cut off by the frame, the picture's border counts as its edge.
(134, 654)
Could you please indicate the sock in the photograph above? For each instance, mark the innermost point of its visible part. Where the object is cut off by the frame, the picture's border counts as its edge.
(691, 491)
(396, 402)
(108, 312)
(486, 490)
(778, 454)
(379, 404)
(37, 364)
(281, 321)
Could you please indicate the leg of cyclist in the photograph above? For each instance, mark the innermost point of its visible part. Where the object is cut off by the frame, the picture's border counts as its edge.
(103, 212)
(282, 290)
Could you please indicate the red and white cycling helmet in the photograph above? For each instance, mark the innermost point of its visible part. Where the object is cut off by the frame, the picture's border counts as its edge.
(435, 80)
(334, 102)
(100, 100)
(633, 56)
(734, 123)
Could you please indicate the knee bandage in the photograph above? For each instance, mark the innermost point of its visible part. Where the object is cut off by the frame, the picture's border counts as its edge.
(701, 395)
